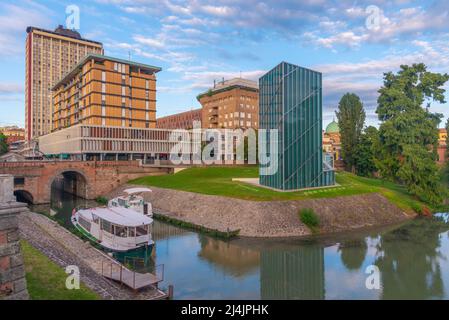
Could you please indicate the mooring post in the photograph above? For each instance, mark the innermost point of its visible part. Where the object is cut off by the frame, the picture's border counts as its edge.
(170, 292)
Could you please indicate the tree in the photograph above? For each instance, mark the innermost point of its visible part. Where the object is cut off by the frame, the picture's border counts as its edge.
(364, 157)
(408, 134)
(351, 119)
(3, 144)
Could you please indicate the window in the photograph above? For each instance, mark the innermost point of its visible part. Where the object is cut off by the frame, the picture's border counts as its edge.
(84, 223)
(19, 181)
(120, 231)
(249, 115)
(123, 91)
(147, 105)
(123, 112)
(147, 116)
(103, 76)
(115, 67)
(106, 226)
(141, 231)
(147, 84)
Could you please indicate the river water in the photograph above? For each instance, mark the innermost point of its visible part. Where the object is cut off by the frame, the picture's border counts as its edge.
(412, 261)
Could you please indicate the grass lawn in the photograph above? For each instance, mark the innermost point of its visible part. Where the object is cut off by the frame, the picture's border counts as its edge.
(46, 280)
(218, 181)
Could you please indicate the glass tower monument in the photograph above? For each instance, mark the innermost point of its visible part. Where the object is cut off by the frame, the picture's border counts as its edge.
(290, 100)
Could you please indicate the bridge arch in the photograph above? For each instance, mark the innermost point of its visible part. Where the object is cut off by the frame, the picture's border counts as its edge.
(71, 180)
(24, 196)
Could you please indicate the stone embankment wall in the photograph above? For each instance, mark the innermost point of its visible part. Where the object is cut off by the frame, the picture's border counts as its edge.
(12, 270)
(274, 218)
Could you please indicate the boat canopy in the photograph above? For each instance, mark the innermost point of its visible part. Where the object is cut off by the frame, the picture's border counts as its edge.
(117, 215)
(136, 190)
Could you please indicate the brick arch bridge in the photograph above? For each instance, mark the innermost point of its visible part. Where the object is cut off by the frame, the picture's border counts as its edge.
(87, 179)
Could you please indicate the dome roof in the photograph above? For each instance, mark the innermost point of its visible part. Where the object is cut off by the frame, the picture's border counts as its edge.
(333, 127)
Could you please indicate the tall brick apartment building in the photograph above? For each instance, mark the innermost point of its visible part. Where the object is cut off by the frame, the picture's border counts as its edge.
(231, 104)
(49, 56)
(106, 91)
(182, 120)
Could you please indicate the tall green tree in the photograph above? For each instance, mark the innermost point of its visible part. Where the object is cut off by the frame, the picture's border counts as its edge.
(3, 144)
(351, 120)
(364, 157)
(408, 134)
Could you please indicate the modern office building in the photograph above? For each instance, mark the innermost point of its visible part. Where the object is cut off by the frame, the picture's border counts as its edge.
(49, 56)
(96, 142)
(182, 120)
(105, 91)
(290, 100)
(231, 104)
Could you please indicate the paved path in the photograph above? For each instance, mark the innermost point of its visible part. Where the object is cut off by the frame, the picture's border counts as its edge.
(64, 248)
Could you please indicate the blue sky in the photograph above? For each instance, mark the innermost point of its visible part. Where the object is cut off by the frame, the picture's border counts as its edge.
(351, 42)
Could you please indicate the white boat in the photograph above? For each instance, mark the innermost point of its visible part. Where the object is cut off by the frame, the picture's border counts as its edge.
(133, 200)
(115, 229)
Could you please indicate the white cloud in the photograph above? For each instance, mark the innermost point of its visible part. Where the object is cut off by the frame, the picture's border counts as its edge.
(11, 88)
(13, 22)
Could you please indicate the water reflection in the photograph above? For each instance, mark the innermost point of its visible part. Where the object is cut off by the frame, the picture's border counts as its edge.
(292, 274)
(413, 260)
(233, 259)
(353, 253)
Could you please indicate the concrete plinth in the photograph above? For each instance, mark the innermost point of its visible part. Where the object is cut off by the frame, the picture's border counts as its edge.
(12, 270)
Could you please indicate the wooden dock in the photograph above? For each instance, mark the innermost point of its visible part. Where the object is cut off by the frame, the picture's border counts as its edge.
(132, 279)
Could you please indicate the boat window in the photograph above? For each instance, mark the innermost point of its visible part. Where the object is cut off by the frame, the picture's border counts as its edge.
(95, 219)
(120, 231)
(84, 223)
(141, 231)
(121, 202)
(106, 226)
(131, 232)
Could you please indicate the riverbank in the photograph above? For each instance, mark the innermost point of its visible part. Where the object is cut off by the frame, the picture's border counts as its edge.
(46, 280)
(273, 219)
(219, 181)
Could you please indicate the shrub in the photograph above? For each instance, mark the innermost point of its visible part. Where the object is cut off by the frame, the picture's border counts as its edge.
(102, 200)
(309, 218)
(417, 208)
